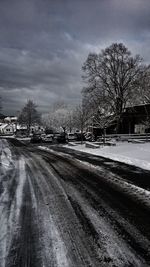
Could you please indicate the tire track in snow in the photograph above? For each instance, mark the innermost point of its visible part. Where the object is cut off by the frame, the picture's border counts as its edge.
(111, 246)
(61, 220)
(10, 209)
(69, 174)
(55, 253)
(64, 224)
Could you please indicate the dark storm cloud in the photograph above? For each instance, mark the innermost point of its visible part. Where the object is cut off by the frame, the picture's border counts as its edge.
(43, 44)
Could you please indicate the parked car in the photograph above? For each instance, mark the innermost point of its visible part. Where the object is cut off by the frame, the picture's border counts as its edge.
(36, 138)
(80, 136)
(60, 137)
(71, 137)
(48, 138)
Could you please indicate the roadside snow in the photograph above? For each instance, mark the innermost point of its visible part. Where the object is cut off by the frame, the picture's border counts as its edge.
(5, 154)
(10, 206)
(23, 138)
(21, 182)
(133, 154)
(130, 153)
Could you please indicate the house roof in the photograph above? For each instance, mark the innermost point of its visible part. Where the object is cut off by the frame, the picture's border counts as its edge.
(139, 109)
(20, 127)
(3, 126)
(6, 125)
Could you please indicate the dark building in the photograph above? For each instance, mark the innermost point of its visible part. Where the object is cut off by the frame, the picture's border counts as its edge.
(136, 119)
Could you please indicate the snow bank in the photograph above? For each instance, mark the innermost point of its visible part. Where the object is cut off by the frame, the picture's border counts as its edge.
(133, 154)
(23, 138)
(5, 155)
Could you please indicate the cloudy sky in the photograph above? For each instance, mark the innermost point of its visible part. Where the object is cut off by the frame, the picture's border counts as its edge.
(43, 44)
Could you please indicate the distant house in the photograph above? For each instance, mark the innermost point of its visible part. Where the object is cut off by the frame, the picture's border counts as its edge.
(9, 125)
(7, 129)
(22, 129)
(10, 119)
(37, 128)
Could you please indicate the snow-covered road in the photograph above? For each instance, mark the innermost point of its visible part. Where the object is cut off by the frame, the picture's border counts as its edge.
(61, 210)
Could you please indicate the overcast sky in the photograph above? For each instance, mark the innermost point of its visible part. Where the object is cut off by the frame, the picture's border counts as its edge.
(43, 44)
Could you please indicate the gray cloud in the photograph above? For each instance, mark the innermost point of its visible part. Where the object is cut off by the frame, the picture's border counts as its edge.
(43, 44)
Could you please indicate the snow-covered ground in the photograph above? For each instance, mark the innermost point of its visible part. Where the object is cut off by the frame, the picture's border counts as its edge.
(23, 138)
(130, 153)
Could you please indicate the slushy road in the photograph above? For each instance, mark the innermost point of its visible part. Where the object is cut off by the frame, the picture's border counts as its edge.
(59, 209)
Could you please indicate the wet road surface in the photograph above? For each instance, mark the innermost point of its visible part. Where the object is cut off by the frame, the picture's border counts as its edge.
(70, 209)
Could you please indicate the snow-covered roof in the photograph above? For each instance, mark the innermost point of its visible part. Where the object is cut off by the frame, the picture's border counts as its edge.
(3, 126)
(7, 119)
(10, 119)
(7, 125)
(20, 127)
(138, 105)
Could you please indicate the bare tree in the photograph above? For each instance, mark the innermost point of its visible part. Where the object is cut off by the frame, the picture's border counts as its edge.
(143, 96)
(59, 117)
(146, 120)
(48, 121)
(103, 119)
(112, 75)
(29, 115)
(144, 85)
(70, 120)
(81, 116)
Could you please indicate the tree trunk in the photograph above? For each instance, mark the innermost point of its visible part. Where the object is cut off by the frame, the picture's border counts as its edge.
(119, 110)
(104, 131)
(118, 126)
(28, 129)
(81, 134)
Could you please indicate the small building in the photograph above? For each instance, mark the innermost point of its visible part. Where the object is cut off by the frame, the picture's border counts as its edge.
(23, 130)
(37, 128)
(10, 119)
(7, 129)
